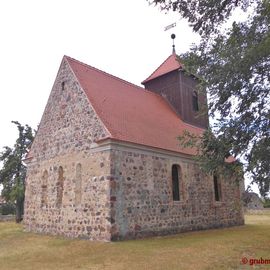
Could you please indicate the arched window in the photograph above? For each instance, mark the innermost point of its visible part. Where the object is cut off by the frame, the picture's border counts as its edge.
(217, 188)
(176, 178)
(78, 184)
(44, 189)
(60, 187)
(195, 102)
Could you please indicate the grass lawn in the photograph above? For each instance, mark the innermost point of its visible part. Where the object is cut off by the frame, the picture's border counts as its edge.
(211, 249)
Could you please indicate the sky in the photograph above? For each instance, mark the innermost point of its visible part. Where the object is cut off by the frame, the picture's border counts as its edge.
(125, 38)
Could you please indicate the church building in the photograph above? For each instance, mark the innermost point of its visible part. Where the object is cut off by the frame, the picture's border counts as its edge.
(106, 163)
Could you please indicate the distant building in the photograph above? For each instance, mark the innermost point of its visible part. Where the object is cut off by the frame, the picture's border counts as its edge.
(106, 163)
(252, 201)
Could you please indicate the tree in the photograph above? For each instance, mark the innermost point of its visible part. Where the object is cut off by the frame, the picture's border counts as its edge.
(13, 172)
(233, 58)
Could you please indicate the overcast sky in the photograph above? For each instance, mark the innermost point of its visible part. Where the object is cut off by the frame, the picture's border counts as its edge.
(123, 37)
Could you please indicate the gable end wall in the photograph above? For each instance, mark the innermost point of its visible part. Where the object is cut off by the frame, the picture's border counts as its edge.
(68, 128)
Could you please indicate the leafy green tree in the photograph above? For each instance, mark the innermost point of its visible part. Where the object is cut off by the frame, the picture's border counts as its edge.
(233, 58)
(13, 172)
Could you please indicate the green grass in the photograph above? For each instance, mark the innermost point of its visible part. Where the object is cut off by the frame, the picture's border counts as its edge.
(211, 249)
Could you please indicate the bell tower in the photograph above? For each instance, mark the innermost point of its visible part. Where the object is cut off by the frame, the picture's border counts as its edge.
(179, 89)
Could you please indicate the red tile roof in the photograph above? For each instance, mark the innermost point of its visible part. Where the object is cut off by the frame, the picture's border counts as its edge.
(170, 64)
(129, 112)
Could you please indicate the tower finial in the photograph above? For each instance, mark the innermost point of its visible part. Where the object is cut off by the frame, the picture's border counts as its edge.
(173, 46)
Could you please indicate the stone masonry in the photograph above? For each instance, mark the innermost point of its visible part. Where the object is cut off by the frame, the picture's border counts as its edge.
(80, 184)
(141, 196)
(68, 128)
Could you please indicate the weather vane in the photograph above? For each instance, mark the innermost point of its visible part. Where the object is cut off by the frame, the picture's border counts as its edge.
(170, 26)
(173, 36)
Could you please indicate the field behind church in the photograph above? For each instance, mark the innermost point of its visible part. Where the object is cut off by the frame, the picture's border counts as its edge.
(211, 249)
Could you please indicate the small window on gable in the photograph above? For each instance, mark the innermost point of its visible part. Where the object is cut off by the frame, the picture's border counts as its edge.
(60, 187)
(217, 188)
(195, 101)
(176, 178)
(44, 189)
(78, 184)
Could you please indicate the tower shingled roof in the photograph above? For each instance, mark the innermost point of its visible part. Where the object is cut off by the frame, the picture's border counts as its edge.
(170, 64)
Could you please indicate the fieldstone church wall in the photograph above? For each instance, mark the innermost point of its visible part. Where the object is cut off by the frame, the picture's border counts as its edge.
(143, 205)
(79, 187)
(60, 158)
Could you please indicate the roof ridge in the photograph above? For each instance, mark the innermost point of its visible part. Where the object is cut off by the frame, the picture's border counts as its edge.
(113, 76)
(106, 73)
